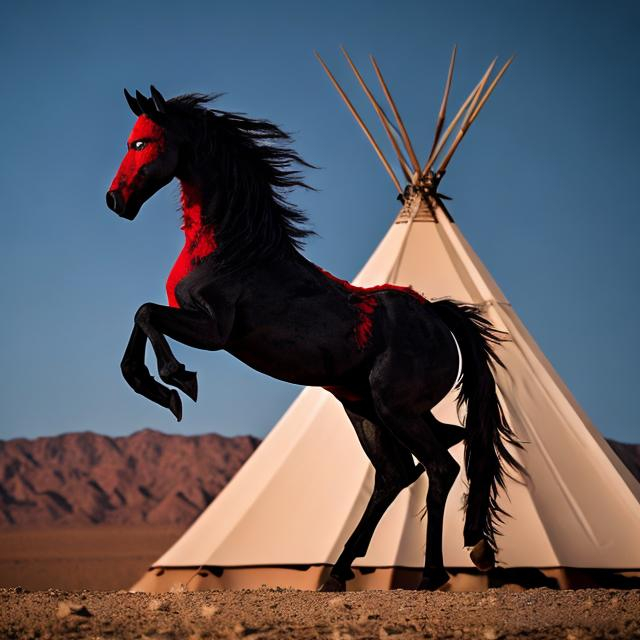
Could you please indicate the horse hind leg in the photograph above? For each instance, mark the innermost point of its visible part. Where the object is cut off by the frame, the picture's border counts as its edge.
(448, 435)
(408, 425)
(394, 470)
(482, 554)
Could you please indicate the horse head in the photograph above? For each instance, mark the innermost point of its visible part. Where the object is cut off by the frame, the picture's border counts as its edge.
(234, 170)
(151, 161)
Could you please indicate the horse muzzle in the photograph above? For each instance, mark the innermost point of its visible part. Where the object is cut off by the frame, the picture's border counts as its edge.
(116, 203)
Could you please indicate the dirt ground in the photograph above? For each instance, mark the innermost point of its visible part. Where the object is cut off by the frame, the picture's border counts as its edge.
(296, 615)
(99, 557)
(110, 558)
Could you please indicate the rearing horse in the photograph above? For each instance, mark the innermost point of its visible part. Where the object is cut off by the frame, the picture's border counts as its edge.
(241, 284)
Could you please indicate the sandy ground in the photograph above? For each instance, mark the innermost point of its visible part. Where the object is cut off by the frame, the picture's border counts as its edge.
(112, 558)
(265, 613)
(100, 557)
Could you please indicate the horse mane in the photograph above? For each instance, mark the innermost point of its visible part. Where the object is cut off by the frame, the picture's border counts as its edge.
(255, 170)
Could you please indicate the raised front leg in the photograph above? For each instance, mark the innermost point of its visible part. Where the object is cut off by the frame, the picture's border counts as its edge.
(140, 380)
(193, 328)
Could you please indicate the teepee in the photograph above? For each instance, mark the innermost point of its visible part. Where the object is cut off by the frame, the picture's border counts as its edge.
(283, 519)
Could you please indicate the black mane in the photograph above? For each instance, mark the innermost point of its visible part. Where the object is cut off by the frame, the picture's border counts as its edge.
(250, 173)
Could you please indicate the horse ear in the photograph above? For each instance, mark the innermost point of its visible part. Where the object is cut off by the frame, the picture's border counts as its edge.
(133, 103)
(148, 108)
(146, 104)
(158, 100)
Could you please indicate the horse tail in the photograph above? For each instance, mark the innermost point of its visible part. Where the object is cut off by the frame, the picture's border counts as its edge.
(487, 428)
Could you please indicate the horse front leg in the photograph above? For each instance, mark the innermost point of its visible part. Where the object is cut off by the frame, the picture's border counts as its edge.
(170, 369)
(192, 328)
(140, 380)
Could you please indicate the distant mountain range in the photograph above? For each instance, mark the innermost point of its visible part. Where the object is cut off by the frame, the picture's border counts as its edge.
(629, 454)
(83, 478)
(147, 477)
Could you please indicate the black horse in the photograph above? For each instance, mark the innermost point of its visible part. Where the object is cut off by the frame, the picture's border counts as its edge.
(241, 284)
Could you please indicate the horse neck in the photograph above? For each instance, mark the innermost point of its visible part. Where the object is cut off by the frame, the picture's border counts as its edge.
(193, 206)
(199, 238)
(220, 220)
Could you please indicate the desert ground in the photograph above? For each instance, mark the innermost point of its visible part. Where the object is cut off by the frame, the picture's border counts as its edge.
(75, 558)
(91, 569)
(297, 615)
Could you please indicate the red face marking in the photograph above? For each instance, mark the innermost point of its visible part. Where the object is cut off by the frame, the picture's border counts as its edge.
(366, 303)
(153, 137)
(199, 241)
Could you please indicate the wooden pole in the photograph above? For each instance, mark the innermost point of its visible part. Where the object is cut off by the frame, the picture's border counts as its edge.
(392, 104)
(466, 123)
(464, 127)
(383, 118)
(489, 91)
(359, 120)
(452, 124)
(397, 137)
(443, 106)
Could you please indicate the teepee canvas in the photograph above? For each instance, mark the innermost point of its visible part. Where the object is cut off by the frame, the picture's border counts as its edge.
(284, 518)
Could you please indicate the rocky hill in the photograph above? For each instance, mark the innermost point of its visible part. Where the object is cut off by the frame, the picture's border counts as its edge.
(629, 454)
(147, 477)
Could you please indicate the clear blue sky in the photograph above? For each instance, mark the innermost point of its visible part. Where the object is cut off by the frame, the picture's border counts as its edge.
(544, 186)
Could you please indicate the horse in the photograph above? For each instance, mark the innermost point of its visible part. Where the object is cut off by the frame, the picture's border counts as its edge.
(242, 284)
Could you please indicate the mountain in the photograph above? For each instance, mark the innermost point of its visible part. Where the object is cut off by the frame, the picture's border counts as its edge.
(629, 454)
(147, 477)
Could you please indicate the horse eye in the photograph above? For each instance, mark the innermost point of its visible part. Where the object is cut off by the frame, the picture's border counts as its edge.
(139, 145)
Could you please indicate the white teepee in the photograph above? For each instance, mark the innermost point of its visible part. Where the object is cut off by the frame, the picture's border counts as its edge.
(285, 516)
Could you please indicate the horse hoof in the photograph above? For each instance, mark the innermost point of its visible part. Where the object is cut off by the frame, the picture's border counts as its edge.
(333, 585)
(434, 580)
(189, 384)
(175, 405)
(186, 381)
(482, 556)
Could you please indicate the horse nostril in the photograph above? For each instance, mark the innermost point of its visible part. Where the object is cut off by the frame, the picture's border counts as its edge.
(114, 201)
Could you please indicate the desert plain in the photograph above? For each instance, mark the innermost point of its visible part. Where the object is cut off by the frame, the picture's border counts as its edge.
(93, 567)
(270, 614)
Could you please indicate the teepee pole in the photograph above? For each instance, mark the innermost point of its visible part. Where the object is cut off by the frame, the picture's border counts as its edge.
(445, 98)
(474, 111)
(392, 104)
(398, 139)
(489, 91)
(465, 122)
(472, 107)
(450, 128)
(383, 118)
(359, 120)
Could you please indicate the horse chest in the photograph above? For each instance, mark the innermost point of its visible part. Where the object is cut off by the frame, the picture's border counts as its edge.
(196, 248)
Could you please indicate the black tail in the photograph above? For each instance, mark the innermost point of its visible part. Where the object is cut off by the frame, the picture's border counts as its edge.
(486, 425)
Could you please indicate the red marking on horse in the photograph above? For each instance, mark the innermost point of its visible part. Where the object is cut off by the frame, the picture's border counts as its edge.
(127, 177)
(199, 240)
(366, 303)
(364, 329)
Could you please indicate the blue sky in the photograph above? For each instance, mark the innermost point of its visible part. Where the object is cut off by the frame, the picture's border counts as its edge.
(544, 185)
